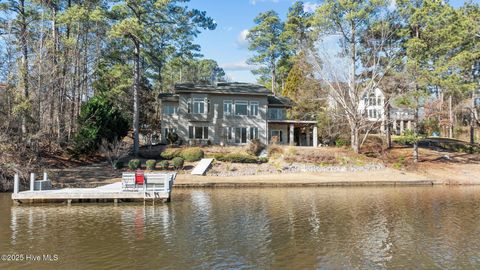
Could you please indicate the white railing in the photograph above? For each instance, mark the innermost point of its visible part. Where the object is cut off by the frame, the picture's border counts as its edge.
(152, 182)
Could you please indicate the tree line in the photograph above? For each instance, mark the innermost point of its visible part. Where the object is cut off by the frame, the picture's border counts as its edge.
(57, 54)
(423, 54)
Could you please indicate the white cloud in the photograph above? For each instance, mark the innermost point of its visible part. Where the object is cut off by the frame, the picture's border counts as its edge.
(242, 41)
(254, 2)
(310, 7)
(236, 66)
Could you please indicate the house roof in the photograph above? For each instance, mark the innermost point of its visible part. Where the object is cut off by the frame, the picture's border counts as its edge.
(168, 97)
(223, 88)
(230, 88)
(276, 101)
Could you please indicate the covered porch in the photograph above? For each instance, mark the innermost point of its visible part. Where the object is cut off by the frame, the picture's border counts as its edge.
(293, 132)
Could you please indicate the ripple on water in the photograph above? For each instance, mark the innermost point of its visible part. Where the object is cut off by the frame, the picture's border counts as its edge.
(284, 228)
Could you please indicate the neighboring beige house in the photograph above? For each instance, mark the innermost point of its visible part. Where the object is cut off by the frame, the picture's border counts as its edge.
(373, 106)
(232, 114)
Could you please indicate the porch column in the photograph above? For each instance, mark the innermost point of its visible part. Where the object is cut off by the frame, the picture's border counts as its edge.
(291, 134)
(409, 124)
(308, 136)
(395, 127)
(401, 126)
(315, 136)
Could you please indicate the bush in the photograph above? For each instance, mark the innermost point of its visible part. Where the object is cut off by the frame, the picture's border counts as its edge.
(150, 164)
(172, 137)
(188, 154)
(171, 153)
(192, 154)
(99, 119)
(177, 163)
(239, 158)
(341, 142)
(164, 164)
(274, 150)
(407, 138)
(119, 165)
(255, 147)
(134, 164)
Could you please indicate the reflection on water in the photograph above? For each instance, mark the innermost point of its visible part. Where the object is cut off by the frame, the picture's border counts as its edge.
(291, 228)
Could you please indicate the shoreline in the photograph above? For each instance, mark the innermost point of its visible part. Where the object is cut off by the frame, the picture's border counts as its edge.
(384, 177)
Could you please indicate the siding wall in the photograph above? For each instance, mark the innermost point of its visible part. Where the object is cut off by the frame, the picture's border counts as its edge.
(215, 120)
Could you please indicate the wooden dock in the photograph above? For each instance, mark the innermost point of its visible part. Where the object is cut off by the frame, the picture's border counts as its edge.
(108, 193)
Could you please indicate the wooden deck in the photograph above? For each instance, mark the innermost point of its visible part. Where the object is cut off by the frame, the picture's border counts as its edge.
(108, 193)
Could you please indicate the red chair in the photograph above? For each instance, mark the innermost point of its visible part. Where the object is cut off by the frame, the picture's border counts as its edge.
(139, 178)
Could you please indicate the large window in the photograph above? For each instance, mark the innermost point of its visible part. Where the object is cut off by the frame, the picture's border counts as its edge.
(227, 107)
(197, 132)
(276, 113)
(169, 109)
(276, 135)
(198, 105)
(241, 107)
(240, 135)
(227, 133)
(253, 133)
(253, 108)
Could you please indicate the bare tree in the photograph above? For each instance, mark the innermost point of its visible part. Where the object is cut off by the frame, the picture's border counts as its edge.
(114, 151)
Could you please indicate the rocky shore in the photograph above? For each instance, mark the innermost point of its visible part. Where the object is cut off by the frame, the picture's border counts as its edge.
(292, 168)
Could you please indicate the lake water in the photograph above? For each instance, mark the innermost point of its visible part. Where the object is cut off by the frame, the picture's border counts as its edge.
(269, 228)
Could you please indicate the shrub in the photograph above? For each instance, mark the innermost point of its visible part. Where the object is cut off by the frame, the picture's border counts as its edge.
(119, 165)
(255, 147)
(134, 164)
(262, 160)
(150, 164)
(408, 138)
(341, 142)
(99, 119)
(274, 150)
(177, 163)
(163, 164)
(172, 137)
(171, 153)
(192, 154)
(239, 158)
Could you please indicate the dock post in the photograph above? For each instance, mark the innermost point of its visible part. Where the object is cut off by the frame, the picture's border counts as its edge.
(32, 181)
(16, 184)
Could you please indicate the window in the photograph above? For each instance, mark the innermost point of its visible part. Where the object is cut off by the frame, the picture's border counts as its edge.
(227, 107)
(169, 109)
(240, 135)
(276, 113)
(241, 108)
(198, 105)
(253, 133)
(253, 108)
(167, 131)
(197, 132)
(277, 134)
(190, 132)
(228, 133)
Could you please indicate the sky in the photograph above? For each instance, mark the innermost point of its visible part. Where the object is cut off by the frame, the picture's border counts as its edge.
(226, 44)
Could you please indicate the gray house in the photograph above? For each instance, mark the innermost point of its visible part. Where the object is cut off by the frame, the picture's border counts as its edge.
(232, 114)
